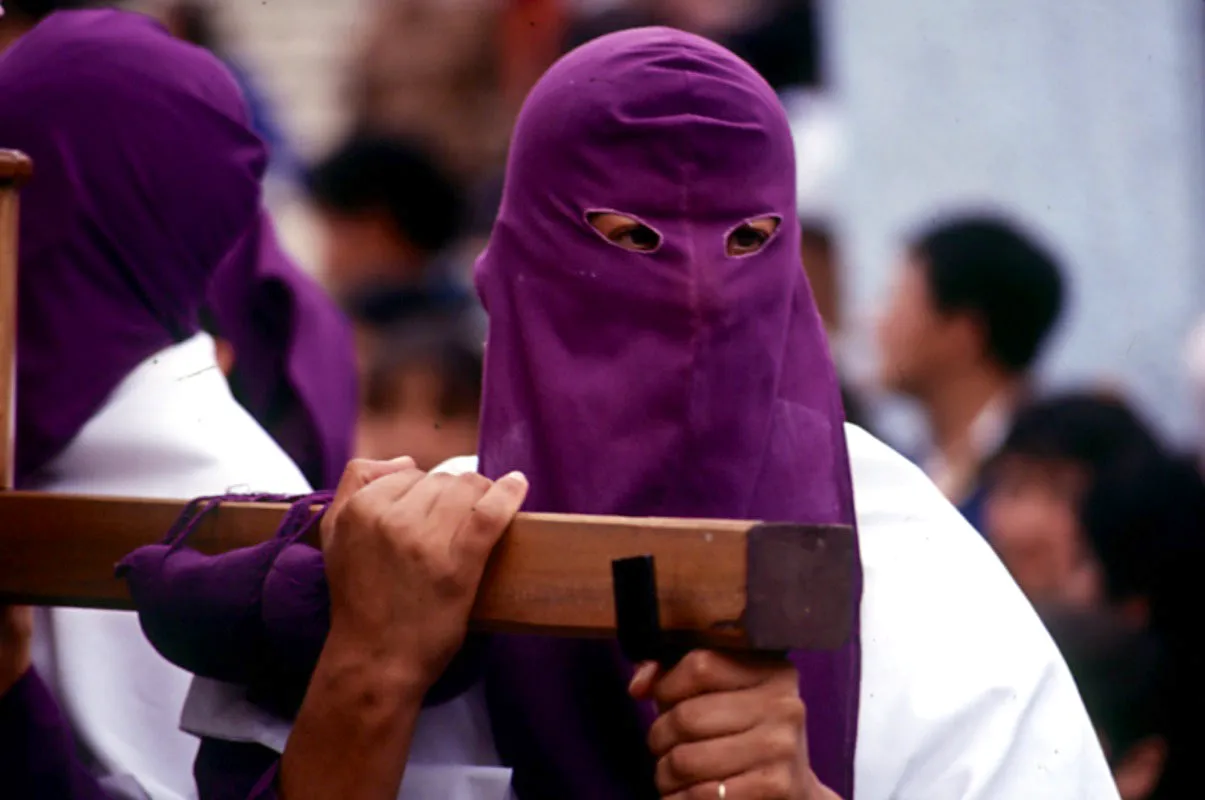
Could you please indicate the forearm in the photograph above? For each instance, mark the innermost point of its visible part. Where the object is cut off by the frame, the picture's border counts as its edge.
(353, 733)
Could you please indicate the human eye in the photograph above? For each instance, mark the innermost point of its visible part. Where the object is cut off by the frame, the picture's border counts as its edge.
(624, 231)
(750, 237)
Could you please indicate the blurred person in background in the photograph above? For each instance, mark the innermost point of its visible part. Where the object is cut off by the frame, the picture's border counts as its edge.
(1121, 674)
(975, 300)
(778, 38)
(1063, 458)
(1156, 518)
(194, 22)
(422, 389)
(388, 216)
(427, 70)
(376, 315)
(1092, 514)
(451, 76)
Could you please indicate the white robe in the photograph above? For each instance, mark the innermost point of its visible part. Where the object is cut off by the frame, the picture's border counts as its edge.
(172, 430)
(963, 694)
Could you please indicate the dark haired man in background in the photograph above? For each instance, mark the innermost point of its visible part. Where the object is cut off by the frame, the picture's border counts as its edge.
(388, 215)
(974, 303)
(392, 226)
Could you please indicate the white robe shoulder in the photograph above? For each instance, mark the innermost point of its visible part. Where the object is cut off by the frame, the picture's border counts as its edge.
(964, 695)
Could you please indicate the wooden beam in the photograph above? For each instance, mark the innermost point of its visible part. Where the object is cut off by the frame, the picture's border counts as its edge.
(739, 585)
(720, 584)
(15, 170)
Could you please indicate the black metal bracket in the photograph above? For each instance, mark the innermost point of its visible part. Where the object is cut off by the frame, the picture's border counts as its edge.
(637, 617)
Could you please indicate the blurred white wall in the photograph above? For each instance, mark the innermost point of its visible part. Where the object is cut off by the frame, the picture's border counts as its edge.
(300, 50)
(1083, 118)
(297, 52)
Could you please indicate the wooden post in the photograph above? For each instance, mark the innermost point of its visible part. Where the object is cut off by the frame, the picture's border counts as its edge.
(15, 170)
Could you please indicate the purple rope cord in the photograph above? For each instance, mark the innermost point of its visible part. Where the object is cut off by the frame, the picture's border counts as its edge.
(298, 520)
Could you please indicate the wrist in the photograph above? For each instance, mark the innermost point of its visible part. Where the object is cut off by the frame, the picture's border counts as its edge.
(354, 728)
(375, 680)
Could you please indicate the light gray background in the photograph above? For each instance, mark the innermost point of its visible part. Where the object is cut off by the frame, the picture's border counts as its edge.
(1083, 118)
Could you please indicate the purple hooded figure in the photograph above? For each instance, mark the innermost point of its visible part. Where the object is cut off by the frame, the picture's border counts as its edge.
(653, 350)
(127, 284)
(297, 375)
(147, 189)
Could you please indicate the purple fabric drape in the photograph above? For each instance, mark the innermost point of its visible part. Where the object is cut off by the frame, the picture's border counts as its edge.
(295, 361)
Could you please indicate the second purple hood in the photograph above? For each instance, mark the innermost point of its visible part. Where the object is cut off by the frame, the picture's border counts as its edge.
(295, 359)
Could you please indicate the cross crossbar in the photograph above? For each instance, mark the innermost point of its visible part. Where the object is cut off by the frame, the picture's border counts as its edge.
(741, 585)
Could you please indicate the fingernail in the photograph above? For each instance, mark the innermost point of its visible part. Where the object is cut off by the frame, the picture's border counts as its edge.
(516, 476)
(644, 674)
(404, 461)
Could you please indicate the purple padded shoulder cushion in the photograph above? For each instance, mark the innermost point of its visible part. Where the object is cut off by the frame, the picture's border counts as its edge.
(256, 617)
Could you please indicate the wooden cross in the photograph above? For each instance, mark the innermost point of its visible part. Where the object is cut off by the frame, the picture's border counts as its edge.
(739, 585)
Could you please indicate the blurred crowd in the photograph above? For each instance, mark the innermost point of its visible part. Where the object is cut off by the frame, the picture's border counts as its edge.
(1098, 517)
